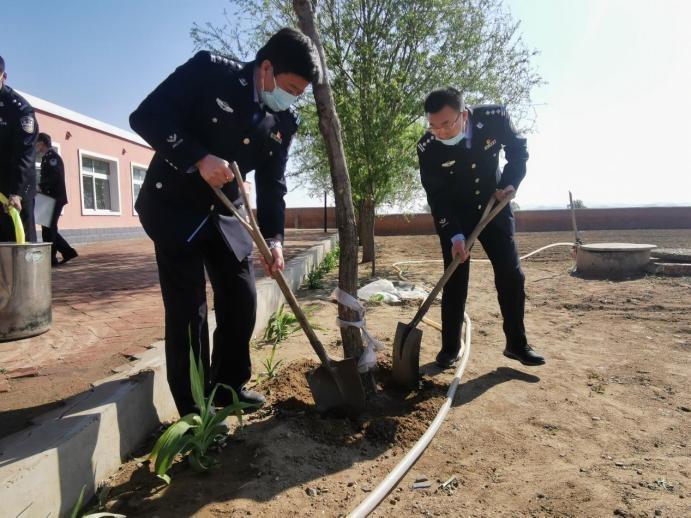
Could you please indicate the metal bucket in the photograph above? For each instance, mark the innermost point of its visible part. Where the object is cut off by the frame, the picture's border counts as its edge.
(25, 290)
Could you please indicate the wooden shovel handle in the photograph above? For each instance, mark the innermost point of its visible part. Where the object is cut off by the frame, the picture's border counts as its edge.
(491, 210)
(253, 230)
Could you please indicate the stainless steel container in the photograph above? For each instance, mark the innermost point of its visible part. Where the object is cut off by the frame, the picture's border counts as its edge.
(25, 290)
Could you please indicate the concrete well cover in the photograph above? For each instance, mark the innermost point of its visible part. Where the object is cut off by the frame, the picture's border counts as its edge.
(617, 247)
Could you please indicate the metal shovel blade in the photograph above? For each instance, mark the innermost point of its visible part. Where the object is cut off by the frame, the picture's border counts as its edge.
(406, 356)
(337, 388)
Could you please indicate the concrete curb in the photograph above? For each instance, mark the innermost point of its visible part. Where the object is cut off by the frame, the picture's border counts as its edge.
(44, 467)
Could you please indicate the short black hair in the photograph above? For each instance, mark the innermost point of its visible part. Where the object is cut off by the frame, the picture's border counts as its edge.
(291, 51)
(2, 65)
(45, 139)
(438, 99)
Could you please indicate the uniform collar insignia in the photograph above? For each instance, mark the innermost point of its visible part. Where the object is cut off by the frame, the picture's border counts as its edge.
(479, 125)
(243, 81)
(224, 105)
(449, 163)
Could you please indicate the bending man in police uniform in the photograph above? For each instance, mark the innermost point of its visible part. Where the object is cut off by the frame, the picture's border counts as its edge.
(208, 112)
(53, 184)
(18, 131)
(459, 167)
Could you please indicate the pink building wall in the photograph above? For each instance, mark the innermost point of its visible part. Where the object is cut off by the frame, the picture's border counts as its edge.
(94, 142)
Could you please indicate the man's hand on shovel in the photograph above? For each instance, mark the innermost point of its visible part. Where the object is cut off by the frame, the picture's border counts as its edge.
(278, 264)
(501, 194)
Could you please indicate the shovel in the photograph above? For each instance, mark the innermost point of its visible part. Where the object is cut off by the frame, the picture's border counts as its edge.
(334, 385)
(406, 347)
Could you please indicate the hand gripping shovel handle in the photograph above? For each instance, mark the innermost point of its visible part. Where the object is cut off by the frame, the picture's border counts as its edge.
(491, 210)
(253, 229)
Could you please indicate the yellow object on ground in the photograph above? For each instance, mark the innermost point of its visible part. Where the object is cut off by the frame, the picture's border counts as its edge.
(16, 220)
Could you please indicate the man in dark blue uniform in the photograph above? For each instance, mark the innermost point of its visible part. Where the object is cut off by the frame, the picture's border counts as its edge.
(18, 131)
(459, 167)
(52, 183)
(209, 111)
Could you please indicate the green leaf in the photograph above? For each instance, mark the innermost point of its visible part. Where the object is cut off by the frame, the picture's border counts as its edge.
(78, 505)
(196, 381)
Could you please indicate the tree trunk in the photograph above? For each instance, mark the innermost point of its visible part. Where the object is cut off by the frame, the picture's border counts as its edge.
(330, 128)
(367, 215)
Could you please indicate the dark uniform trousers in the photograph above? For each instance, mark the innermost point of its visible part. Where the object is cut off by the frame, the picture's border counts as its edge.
(51, 235)
(183, 286)
(500, 247)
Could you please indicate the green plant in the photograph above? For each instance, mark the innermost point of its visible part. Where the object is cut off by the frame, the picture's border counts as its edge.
(280, 326)
(76, 511)
(270, 363)
(194, 433)
(315, 278)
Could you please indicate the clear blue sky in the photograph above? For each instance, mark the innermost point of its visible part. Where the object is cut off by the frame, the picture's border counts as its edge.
(613, 122)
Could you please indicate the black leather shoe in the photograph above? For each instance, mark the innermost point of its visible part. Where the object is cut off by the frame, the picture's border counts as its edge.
(525, 355)
(68, 256)
(446, 360)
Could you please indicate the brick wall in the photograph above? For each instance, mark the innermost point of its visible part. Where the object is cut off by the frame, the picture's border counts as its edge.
(526, 220)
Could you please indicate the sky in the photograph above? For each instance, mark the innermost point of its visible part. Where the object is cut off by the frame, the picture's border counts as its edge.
(613, 119)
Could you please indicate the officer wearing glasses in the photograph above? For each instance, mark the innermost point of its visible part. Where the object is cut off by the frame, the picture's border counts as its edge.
(459, 168)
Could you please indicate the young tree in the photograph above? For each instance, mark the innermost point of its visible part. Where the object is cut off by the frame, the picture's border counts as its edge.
(384, 57)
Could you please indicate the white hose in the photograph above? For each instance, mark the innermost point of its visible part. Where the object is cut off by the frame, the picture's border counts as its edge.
(370, 503)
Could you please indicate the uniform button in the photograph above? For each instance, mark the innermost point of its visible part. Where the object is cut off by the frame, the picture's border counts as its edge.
(271, 153)
(212, 207)
(479, 207)
(214, 119)
(477, 180)
(473, 166)
(477, 192)
(159, 185)
(450, 172)
(494, 155)
(246, 141)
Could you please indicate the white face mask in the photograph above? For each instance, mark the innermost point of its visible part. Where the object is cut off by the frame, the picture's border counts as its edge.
(453, 140)
(278, 100)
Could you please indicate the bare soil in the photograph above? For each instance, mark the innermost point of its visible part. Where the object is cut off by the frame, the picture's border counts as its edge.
(601, 430)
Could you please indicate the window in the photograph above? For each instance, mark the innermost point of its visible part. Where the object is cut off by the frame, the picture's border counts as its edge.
(99, 183)
(138, 174)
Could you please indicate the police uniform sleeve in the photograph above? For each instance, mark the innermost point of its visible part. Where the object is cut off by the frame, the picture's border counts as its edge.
(162, 117)
(271, 190)
(23, 159)
(516, 153)
(438, 199)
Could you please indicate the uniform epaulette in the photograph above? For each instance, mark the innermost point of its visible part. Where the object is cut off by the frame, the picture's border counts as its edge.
(424, 142)
(489, 110)
(223, 60)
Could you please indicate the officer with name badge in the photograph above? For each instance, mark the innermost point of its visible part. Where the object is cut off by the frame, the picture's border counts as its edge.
(18, 132)
(208, 112)
(459, 168)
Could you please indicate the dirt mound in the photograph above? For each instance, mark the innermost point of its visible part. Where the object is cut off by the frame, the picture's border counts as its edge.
(391, 417)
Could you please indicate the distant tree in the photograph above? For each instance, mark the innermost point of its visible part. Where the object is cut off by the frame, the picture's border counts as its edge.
(577, 204)
(515, 206)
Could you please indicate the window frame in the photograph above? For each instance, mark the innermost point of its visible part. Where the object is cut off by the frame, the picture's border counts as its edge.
(114, 181)
(138, 166)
